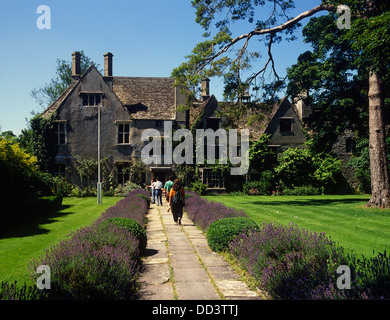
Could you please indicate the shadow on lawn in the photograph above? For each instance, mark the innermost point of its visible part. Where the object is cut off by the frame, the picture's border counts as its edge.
(30, 226)
(312, 202)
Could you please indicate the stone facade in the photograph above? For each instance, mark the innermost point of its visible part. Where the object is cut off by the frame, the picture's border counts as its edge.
(129, 105)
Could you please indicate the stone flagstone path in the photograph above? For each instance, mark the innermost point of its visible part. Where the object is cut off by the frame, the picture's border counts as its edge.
(180, 265)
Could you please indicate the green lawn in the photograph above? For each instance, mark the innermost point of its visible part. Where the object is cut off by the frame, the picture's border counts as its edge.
(343, 218)
(19, 245)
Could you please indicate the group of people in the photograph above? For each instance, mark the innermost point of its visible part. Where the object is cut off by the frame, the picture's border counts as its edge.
(174, 195)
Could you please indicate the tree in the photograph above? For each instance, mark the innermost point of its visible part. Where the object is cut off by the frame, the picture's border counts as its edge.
(369, 32)
(50, 92)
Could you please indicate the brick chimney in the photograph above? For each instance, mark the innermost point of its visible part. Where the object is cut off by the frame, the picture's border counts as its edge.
(205, 87)
(76, 68)
(108, 64)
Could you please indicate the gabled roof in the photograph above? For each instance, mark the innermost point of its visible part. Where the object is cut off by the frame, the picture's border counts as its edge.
(258, 117)
(147, 98)
(144, 98)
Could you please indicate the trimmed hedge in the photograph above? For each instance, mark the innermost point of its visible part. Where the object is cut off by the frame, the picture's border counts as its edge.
(97, 262)
(129, 225)
(223, 231)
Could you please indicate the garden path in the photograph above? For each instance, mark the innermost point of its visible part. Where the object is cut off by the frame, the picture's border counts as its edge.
(179, 264)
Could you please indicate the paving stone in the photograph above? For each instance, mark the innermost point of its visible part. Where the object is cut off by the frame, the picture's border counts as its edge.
(182, 249)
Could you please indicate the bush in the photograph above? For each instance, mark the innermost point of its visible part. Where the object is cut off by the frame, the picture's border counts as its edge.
(14, 292)
(100, 261)
(261, 187)
(221, 232)
(204, 212)
(287, 262)
(131, 226)
(92, 264)
(302, 191)
(132, 207)
(199, 187)
(124, 191)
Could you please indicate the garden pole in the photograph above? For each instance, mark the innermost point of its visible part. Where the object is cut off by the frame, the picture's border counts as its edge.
(99, 183)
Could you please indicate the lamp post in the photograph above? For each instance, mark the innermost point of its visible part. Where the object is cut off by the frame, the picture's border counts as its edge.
(99, 183)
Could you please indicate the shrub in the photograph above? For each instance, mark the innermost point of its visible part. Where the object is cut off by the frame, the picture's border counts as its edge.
(204, 212)
(302, 191)
(132, 207)
(287, 262)
(100, 261)
(199, 187)
(131, 226)
(14, 292)
(221, 232)
(262, 186)
(124, 191)
(93, 265)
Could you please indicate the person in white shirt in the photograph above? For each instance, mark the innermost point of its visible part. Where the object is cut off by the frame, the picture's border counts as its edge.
(158, 191)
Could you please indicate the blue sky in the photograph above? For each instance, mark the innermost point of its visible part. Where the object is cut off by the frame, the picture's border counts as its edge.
(147, 38)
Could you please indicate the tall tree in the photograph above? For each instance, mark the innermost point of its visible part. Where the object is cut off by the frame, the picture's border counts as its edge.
(46, 95)
(369, 33)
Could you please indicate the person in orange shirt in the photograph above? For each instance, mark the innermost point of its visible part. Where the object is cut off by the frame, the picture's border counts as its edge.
(177, 201)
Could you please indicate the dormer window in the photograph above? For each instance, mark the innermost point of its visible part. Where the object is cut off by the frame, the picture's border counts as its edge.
(286, 125)
(91, 99)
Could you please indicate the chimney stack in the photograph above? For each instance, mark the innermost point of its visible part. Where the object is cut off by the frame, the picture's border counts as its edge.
(205, 87)
(76, 68)
(108, 64)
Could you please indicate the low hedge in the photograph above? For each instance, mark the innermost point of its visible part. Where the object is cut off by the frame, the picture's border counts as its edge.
(98, 262)
(223, 231)
(131, 226)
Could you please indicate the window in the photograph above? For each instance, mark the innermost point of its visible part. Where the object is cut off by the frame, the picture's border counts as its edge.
(213, 123)
(91, 99)
(60, 169)
(123, 173)
(61, 133)
(350, 145)
(123, 133)
(286, 125)
(159, 123)
(212, 178)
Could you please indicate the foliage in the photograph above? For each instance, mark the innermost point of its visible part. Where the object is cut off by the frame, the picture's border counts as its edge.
(198, 187)
(123, 191)
(50, 92)
(131, 226)
(204, 212)
(43, 141)
(261, 157)
(14, 292)
(20, 174)
(263, 186)
(287, 262)
(301, 167)
(302, 191)
(92, 264)
(132, 207)
(100, 261)
(222, 232)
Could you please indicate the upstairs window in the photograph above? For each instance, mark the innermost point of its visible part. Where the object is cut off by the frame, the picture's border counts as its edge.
(60, 132)
(91, 99)
(123, 133)
(213, 123)
(286, 125)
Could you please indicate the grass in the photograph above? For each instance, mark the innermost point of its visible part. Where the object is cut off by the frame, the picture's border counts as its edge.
(20, 244)
(343, 218)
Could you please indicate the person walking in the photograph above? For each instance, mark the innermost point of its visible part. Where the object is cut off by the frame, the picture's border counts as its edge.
(167, 187)
(158, 190)
(177, 201)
